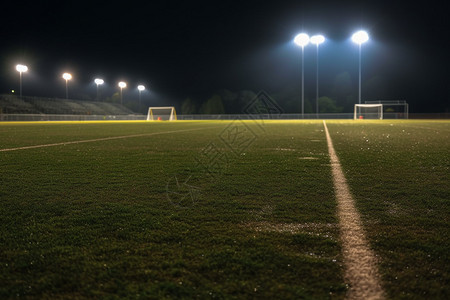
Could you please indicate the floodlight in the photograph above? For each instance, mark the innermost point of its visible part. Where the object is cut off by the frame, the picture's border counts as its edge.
(122, 85)
(317, 39)
(140, 88)
(360, 37)
(98, 82)
(21, 68)
(302, 39)
(67, 76)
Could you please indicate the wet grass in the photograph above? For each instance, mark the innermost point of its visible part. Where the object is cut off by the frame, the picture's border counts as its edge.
(253, 214)
(399, 173)
(107, 219)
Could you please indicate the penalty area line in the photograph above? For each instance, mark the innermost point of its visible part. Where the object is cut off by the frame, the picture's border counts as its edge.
(360, 262)
(100, 139)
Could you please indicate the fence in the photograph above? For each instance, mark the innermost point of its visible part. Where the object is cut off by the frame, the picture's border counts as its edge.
(265, 116)
(56, 117)
(132, 117)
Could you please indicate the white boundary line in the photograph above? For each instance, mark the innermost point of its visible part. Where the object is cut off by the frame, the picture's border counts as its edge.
(359, 260)
(100, 139)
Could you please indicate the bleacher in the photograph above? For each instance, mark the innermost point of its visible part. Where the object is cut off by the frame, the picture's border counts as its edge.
(10, 104)
(114, 108)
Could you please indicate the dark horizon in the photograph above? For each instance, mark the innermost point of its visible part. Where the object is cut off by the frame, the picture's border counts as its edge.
(181, 50)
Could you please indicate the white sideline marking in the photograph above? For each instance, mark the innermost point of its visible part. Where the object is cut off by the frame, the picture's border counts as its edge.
(99, 139)
(359, 260)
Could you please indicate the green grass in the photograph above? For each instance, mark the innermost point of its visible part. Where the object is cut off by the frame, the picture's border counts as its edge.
(94, 220)
(103, 219)
(399, 173)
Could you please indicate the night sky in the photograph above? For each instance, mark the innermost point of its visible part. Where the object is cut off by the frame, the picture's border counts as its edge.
(181, 49)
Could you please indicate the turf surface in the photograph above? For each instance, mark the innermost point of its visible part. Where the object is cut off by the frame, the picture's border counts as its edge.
(220, 209)
(399, 173)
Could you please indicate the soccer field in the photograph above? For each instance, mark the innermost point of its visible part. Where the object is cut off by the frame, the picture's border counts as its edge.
(219, 209)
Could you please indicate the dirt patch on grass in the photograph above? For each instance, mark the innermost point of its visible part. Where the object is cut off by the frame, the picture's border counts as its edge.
(324, 230)
(394, 210)
(289, 227)
(285, 149)
(262, 213)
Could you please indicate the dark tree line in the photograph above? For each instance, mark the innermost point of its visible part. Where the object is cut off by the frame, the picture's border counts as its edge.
(340, 97)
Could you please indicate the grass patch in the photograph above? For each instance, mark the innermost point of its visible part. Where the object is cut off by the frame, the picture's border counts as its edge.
(255, 219)
(95, 220)
(399, 174)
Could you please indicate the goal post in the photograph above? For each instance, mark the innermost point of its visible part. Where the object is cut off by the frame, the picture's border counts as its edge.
(368, 111)
(166, 113)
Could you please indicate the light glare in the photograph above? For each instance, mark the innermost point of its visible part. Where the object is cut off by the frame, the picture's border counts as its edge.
(67, 76)
(122, 85)
(21, 68)
(302, 39)
(317, 39)
(141, 87)
(99, 81)
(360, 37)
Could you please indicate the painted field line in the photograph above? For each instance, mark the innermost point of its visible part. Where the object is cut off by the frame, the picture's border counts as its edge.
(101, 139)
(360, 263)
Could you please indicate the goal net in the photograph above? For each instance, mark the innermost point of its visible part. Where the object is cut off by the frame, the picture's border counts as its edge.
(368, 111)
(161, 114)
(393, 109)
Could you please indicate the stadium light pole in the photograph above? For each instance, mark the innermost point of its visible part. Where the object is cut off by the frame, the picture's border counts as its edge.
(98, 82)
(360, 37)
(317, 40)
(302, 40)
(122, 85)
(21, 69)
(67, 77)
(140, 88)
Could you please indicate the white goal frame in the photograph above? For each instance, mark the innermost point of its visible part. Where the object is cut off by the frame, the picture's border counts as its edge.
(172, 117)
(356, 113)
